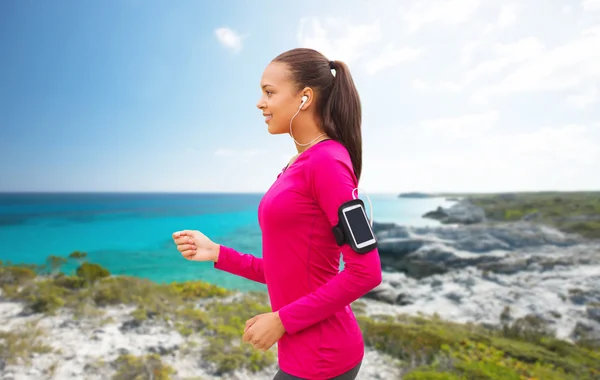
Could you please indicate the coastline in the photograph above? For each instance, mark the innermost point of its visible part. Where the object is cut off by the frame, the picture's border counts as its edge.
(488, 298)
(132, 236)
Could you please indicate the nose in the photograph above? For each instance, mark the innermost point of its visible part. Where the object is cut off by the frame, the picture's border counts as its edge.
(261, 104)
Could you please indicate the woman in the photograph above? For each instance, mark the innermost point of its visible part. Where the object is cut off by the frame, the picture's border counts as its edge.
(317, 333)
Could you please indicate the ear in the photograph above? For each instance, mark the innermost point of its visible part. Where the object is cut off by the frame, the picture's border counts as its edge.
(307, 91)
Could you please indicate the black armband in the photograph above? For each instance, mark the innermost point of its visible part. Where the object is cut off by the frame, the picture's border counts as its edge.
(354, 228)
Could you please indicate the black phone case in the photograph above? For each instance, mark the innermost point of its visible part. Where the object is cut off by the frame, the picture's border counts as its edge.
(342, 232)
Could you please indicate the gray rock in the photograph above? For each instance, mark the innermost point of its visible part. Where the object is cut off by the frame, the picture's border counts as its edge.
(471, 272)
(389, 294)
(593, 311)
(462, 212)
(425, 251)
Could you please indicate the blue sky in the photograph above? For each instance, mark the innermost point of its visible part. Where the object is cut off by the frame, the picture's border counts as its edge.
(458, 95)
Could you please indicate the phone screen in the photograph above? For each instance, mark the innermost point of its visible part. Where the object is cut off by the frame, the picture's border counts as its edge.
(359, 224)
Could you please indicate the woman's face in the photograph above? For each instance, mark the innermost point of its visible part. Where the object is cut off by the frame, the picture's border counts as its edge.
(280, 100)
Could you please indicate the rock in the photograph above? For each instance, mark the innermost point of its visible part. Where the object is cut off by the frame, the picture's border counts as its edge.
(582, 297)
(532, 216)
(462, 212)
(425, 251)
(162, 350)
(587, 333)
(386, 292)
(472, 272)
(505, 267)
(593, 311)
(385, 227)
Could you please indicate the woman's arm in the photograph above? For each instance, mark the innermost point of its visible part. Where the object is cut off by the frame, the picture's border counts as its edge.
(332, 180)
(241, 264)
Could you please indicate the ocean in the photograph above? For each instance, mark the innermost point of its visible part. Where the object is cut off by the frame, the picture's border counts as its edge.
(130, 233)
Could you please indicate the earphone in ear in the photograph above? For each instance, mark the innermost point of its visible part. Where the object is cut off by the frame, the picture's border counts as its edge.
(304, 99)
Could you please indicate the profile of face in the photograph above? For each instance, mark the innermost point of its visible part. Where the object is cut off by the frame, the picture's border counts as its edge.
(280, 98)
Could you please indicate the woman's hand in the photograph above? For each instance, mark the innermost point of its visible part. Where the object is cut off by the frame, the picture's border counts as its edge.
(194, 245)
(263, 330)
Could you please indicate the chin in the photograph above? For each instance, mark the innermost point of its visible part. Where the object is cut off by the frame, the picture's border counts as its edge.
(275, 130)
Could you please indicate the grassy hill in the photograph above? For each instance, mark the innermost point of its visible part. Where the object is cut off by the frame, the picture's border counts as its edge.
(427, 348)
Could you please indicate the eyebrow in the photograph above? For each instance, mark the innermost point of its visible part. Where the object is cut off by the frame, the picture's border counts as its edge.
(266, 85)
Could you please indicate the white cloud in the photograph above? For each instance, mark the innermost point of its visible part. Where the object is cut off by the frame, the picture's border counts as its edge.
(561, 157)
(341, 39)
(506, 18)
(229, 39)
(585, 98)
(468, 50)
(391, 56)
(560, 68)
(591, 5)
(425, 87)
(458, 127)
(439, 13)
(506, 54)
(338, 39)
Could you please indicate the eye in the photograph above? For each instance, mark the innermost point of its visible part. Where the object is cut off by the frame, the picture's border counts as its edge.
(268, 92)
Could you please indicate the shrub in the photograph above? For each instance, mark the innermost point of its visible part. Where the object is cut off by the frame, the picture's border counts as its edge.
(16, 275)
(193, 290)
(225, 330)
(78, 256)
(18, 345)
(129, 367)
(428, 374)
(92, 272)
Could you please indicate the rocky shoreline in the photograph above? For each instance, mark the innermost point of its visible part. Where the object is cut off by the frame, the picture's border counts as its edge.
(473, 270)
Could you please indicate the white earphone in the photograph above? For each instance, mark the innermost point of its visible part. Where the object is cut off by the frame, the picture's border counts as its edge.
(304, 99)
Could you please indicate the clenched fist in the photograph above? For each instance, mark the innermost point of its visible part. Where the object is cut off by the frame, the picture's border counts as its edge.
(194, 245)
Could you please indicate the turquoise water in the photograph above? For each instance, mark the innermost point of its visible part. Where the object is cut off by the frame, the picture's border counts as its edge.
(131, 233)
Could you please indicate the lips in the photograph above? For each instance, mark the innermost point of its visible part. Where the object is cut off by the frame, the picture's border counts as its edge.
(268, 117)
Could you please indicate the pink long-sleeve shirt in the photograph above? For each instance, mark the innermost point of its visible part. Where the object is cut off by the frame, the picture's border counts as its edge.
(300, 264)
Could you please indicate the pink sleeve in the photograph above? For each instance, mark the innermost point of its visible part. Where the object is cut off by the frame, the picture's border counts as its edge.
(241, 264)
(332, 182)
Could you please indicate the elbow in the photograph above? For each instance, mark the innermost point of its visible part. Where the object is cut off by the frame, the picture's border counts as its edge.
(376, 278)
(372, 278)
(375, 272)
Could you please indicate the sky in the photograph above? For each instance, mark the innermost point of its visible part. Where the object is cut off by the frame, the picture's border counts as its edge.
(457, 95)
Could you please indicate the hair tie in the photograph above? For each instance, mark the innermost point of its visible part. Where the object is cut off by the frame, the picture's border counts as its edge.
(332, 65)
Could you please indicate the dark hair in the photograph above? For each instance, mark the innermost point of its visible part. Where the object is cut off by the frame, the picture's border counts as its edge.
(338, 102)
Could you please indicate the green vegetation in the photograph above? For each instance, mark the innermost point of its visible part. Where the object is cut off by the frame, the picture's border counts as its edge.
(17, 345)
(431, 348)
(91, 288)
(427, 348)
(577, 212)
(131, 367)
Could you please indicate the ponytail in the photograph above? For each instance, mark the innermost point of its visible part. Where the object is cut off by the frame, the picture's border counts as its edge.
(342, 114)
(337, 98)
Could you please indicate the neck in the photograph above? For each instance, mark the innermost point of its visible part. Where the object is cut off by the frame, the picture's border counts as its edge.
(307, 136)
(302, 148)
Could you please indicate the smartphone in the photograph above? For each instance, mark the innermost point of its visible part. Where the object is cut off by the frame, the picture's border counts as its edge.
(359, 228)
